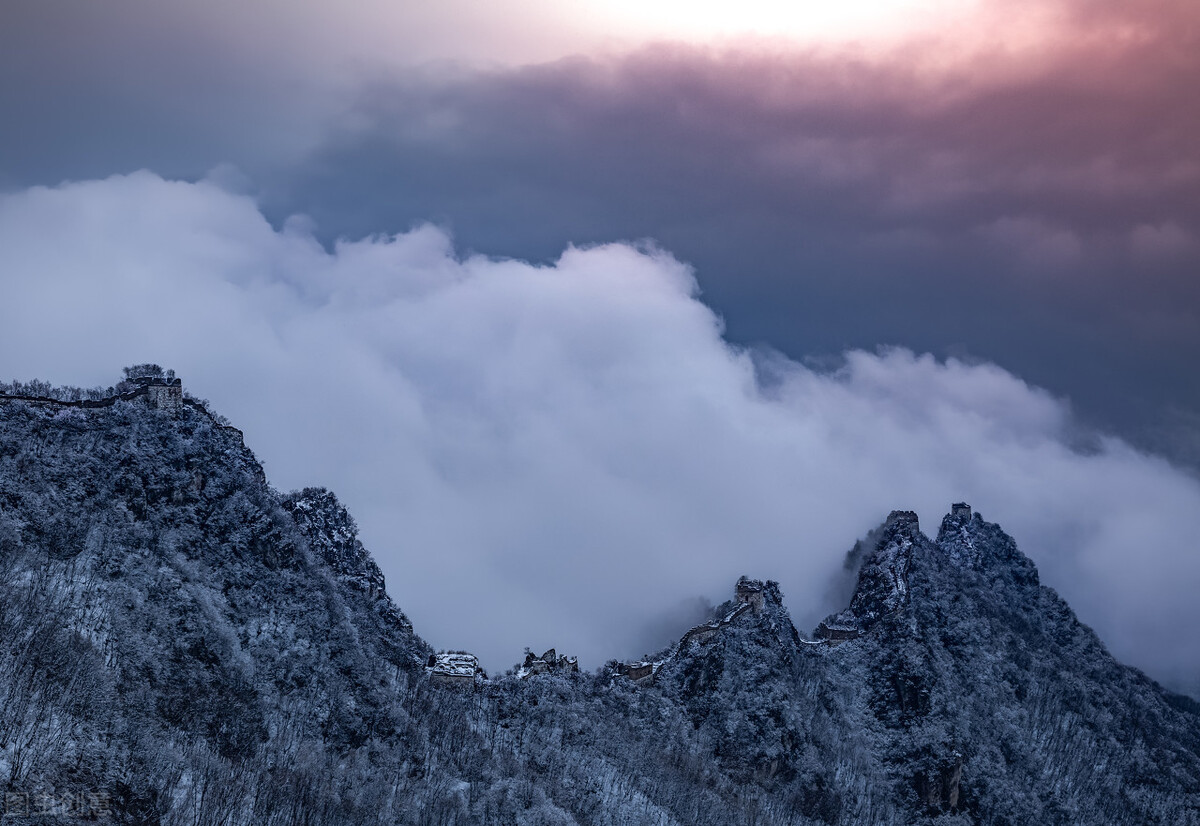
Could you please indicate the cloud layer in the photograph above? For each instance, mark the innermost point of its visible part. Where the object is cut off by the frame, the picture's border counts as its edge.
(1019, 183)
(1034, 205)
(561, 454)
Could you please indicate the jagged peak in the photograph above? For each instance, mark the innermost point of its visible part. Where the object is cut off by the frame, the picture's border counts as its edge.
(956, 537)
(882, 586)
(967, 539)
(883, 578)
(755, 602)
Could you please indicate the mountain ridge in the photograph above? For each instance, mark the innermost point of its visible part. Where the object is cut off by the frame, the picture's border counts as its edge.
(183, 644)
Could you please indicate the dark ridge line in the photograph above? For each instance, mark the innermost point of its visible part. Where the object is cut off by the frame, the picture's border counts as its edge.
(133, 395)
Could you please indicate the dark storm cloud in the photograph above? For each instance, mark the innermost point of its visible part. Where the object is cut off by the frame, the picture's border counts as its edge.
(1039, 208)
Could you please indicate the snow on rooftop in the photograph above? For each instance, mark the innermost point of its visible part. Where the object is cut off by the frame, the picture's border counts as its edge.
(455, 664)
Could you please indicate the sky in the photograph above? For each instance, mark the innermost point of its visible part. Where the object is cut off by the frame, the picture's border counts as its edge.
(608, 303)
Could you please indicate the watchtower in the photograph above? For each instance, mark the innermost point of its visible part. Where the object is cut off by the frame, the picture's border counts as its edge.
(167, 396)
(750, 592)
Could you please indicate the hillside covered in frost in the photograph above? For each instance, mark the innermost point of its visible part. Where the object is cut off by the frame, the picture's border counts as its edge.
(182, 644)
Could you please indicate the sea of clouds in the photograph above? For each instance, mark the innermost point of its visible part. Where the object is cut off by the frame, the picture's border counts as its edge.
(567, 455)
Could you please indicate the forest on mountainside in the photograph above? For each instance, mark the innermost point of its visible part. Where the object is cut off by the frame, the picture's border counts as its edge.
(182, 644)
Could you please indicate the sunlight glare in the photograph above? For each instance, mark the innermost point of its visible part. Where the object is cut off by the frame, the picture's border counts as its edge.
(806, 20)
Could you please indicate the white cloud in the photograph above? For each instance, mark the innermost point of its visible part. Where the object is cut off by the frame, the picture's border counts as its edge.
(557, 455)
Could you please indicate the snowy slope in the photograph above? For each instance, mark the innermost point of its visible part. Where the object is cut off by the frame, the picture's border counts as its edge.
(180, 643)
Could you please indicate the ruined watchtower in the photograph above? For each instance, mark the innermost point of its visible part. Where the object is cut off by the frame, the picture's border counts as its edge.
(750, 592)
(549, 663)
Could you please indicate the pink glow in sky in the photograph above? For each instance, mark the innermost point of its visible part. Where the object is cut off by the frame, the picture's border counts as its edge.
(806, 22)
(356, 36)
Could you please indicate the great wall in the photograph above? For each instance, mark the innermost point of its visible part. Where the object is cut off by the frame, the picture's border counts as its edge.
(461, 668)
(165, 394)
(458, 667)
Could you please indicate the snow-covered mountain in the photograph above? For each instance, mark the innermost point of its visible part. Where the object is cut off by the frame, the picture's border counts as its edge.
(182, 644)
